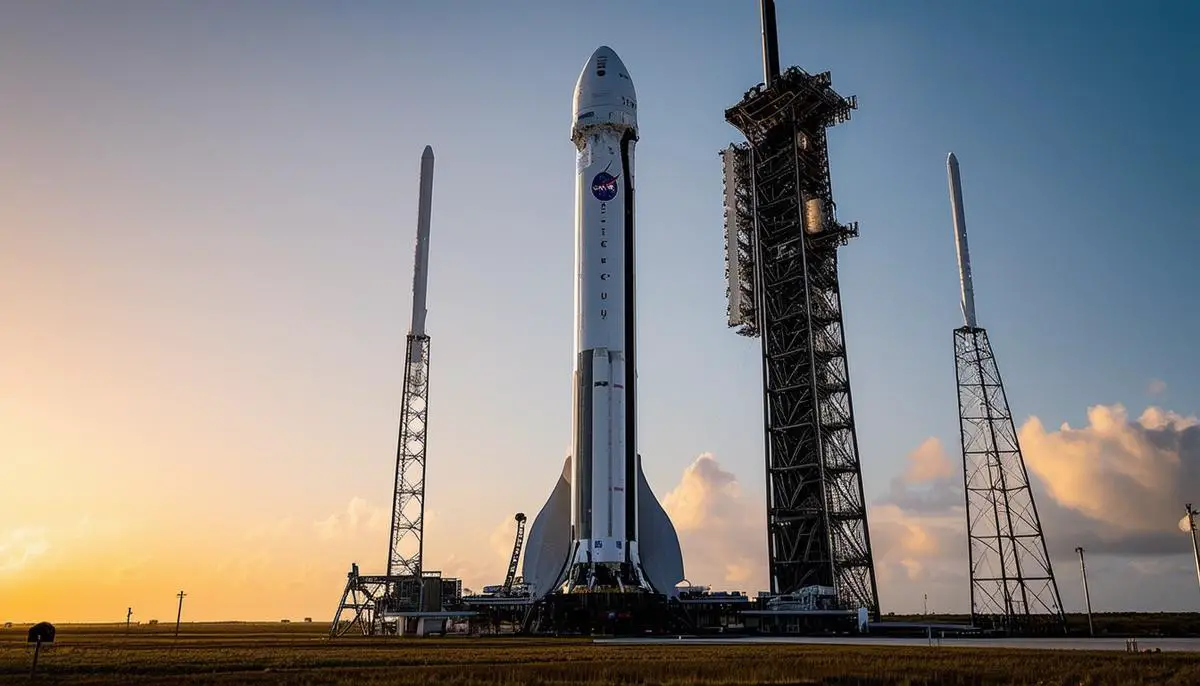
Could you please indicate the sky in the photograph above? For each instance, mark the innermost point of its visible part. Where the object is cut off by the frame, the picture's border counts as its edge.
(207, 215)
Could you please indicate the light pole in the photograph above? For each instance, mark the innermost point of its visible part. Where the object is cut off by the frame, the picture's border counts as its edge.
(179, 615)
(1191, 524)
(1087, 597)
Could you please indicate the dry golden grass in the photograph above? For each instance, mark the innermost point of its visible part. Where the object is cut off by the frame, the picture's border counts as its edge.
(1105, 623)
(299, 654)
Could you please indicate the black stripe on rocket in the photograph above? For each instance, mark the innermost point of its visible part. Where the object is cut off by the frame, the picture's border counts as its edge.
(630, 349)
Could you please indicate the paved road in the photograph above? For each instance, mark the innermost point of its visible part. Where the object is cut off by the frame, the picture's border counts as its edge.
(1165, 644)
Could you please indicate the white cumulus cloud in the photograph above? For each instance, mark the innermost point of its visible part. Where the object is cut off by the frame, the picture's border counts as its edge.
(721, 531)
(1115, 486)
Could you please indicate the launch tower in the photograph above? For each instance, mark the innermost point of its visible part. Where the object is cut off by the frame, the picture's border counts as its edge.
(409, 598)
(782, 240)
(1012, 580)
(408, 502)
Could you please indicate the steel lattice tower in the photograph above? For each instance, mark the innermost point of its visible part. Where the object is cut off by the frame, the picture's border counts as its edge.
(1011, 574)
(1012, 580)
(782, 240)
(408, 503)
(408, 506)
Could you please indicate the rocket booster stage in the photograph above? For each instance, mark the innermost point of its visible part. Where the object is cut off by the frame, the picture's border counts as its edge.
(602, 526)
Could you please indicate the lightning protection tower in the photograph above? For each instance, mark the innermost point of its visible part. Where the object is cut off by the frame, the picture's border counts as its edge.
(782, 239)
(1012, 580)
(408, 503)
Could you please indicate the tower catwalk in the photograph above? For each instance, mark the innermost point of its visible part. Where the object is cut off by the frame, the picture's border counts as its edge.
(782, 240)
(408, 504)
(1012, 580)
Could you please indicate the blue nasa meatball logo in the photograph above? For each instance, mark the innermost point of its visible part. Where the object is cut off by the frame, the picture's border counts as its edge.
(604, 186)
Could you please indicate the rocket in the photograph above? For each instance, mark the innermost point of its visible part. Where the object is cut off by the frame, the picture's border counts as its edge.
(602, 528)
(966, 287)
(421, 251)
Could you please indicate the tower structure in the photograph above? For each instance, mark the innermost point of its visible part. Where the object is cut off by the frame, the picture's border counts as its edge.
(1012, 579)
(406, 543)
(392, 603)
(782, 241)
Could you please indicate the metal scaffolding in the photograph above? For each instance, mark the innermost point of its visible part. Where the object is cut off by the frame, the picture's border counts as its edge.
(1012, 580)
(408, 505)
(782, 257)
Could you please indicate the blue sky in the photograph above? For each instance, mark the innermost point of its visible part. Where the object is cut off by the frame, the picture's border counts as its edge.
(208, 216)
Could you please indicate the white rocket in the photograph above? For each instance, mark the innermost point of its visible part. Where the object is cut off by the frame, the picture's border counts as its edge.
(960, 242)
(602, 527)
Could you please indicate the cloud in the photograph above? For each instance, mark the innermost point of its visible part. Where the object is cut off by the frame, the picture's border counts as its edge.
(1156, 387)
(1131, 476)
(899, 535)
(359, 516)
(21, 546)
(33, 548)
(478, 556)
(720, 530)
(1115, 486)
(918, 531)
(931, 482)
(928, 463)
(501, 538)
(917, 534)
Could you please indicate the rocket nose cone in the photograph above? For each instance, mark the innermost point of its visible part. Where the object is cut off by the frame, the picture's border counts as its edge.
(604, 62)
(604, 91)
(428, 154)
(951, 160)
(607, 54)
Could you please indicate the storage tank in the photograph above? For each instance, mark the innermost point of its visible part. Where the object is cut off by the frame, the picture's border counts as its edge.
(814, 215)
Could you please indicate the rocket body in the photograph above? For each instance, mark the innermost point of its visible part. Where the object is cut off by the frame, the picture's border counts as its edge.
(421, 254)
(604, 134)
(594, 530)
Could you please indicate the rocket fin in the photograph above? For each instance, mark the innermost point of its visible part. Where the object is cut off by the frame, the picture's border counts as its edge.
(549, 541)
(658, 544)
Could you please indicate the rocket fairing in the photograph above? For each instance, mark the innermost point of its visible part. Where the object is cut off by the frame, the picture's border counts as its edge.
(602, 526)
(960, 242)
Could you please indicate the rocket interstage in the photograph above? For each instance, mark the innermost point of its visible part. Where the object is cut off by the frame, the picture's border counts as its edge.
(602, 527)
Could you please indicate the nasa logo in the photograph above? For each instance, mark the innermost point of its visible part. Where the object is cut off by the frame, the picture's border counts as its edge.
(604, 186)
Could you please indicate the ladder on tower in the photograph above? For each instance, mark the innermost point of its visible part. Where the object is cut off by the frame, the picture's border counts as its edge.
(516, 555)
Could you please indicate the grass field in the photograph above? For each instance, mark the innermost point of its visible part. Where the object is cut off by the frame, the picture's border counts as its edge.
(1140, 624)
(299, 654)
